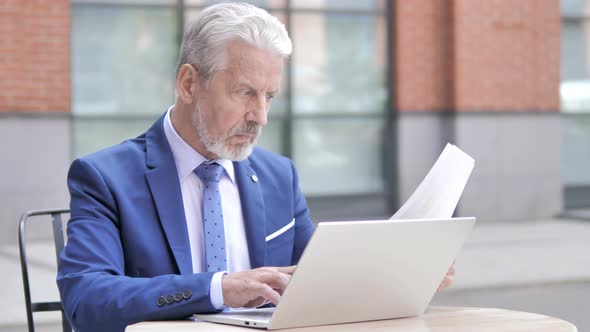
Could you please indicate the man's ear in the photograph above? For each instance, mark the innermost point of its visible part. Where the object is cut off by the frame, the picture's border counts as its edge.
(187, 83)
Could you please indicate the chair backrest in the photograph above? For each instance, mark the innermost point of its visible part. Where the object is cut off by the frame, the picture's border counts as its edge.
(58, 240)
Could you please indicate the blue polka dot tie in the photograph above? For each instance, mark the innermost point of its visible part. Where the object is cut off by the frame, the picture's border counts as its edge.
(214, 237)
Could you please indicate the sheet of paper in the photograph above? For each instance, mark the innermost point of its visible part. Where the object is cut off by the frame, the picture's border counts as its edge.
(438, 194)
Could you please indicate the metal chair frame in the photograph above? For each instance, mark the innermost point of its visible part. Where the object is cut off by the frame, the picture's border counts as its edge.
(58, 240)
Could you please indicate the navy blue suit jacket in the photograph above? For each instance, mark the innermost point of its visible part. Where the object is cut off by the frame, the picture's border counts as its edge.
(127, 237)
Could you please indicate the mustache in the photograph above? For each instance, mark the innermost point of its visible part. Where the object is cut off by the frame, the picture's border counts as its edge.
(246, 128)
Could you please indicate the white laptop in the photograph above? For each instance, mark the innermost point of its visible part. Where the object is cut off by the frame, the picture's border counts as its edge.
(360, 271)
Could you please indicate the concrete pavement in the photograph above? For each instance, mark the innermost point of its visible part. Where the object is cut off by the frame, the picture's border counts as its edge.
(538, 266)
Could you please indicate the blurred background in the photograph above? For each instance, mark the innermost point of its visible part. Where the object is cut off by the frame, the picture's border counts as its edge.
(372, 93)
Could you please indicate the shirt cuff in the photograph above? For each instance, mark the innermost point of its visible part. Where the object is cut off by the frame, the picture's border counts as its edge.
(216, 291)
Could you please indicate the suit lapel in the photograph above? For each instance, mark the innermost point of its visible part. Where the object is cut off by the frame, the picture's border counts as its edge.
(165, 187)
(253, 211)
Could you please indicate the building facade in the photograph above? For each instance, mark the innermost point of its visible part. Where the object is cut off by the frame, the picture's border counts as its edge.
(372, 93)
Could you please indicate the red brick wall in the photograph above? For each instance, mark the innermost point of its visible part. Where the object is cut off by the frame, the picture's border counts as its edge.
(34, 56)
(422, 63)
(492, 55)
(450, 55)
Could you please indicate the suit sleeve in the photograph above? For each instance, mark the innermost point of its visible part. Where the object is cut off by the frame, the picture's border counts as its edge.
(95, 293)
(303, 226)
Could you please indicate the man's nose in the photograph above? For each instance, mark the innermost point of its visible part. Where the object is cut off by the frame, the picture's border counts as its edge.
(258, 111)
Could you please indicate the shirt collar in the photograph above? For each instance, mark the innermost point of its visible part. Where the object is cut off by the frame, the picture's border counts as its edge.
(187, 158)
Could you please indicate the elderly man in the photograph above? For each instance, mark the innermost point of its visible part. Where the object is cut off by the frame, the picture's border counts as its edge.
(190, 217)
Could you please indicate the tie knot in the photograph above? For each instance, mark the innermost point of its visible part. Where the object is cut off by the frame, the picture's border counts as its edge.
(209, 172)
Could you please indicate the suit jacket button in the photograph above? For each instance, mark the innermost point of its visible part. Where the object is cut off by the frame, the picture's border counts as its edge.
(178, 297)
(161, 301)
(187, 294)
(169, 299)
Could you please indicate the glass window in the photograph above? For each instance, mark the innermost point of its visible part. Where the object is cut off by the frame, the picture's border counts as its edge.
(575, 8)
(93, 133)
(126, 2)
(339, 156)
(339, 4)
(575, 150)
(271, 138)
(575, 59)
(258, 3)
(123, 70)
(191, 13)
(575, 102)
(123, 59)
(340, 74)
(330, 120)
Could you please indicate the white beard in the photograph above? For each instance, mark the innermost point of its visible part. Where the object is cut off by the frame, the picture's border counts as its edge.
(219, 145)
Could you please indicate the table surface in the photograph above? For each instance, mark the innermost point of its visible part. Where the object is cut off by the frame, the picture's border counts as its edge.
(436, 319)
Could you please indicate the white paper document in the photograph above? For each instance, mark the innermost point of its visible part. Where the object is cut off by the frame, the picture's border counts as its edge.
(438, 194)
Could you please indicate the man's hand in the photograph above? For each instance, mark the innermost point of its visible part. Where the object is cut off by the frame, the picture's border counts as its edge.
(448, 280)
(256, 287)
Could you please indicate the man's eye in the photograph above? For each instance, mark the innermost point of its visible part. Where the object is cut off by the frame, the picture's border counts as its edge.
(269, 96)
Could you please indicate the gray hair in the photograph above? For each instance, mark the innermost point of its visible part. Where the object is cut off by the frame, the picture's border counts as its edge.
(203, 43)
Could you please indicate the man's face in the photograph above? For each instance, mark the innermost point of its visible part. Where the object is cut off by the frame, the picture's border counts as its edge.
(231, 111)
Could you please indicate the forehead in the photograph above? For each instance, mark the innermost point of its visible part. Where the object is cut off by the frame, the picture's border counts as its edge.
(260, 68)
